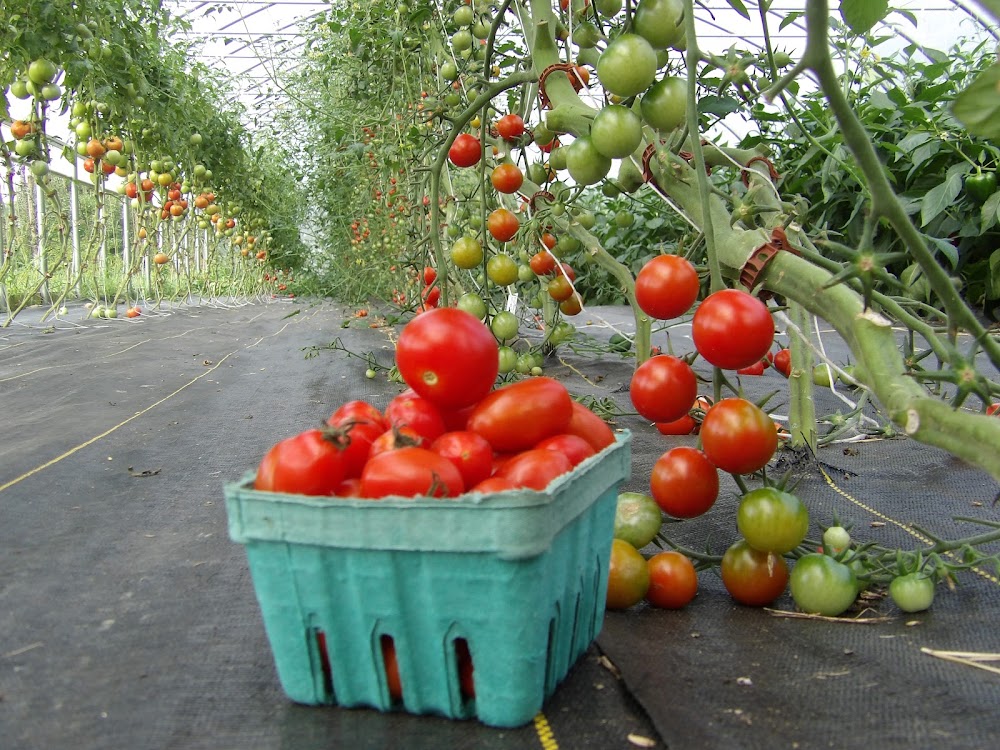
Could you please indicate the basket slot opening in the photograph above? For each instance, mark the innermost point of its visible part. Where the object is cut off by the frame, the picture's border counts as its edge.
(391, 666)
(551, 669)
(466, 669)
(324, 661)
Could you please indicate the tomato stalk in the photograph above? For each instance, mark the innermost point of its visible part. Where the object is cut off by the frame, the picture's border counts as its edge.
(802, 411)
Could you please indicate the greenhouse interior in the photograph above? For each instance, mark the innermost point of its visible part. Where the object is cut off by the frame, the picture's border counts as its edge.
(499, 374)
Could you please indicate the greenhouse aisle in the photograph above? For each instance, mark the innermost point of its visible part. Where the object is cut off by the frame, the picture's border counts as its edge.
(128, 617)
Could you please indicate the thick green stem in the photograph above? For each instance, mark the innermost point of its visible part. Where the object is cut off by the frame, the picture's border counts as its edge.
(802, 414)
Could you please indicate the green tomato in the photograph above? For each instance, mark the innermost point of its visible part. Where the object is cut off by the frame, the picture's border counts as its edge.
(461, 40)
(616, 131)
(586, 164)
(536, 173)
(586, 35)
(624, 219)
(467, 252)
(464, 16)
(913, 592)
(19, 89)
(557, 158)
(822, 376)
(772, 520)
(637, 519)
(821, 585)
(524, 273)
(39, 168)
(508, 359)
(504, 326)
(660, 22)
(24, 147)
(563, 332)
(835, 539)
(449, 71)
(473, 304)
(501, 269)
(628, 65)
(608, 8)
(42, 71)
(664, 105)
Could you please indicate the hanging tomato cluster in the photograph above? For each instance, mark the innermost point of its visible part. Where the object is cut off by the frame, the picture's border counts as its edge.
(449, 433)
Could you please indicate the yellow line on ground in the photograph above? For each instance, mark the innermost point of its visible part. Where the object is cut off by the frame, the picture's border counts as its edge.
(91, 441)
(545, 735)
(909, 530)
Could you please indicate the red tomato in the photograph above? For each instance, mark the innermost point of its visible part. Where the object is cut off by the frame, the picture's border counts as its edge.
(684, 482)
(349, 488)
(574, 447)
(471, 454)
(992, 409)
(395, 438)
(391, 665)
(465, 151)
(430, 274)
(310, 463)
(494, 484)
(455, 419)
(515, 417)
(666, 287)
(783, 362)
(590, 427)
(432, 363)
(466, 668)
(408, 472)
(419, 414)
(673, 581)
(542, 263)
(359, 437)
(757, 368)
(358, 411)
(738, 437)
(663, 388)
(503, 224)
(686, 425)
(753, 577)
(510, 127)
(732, 329)
(506, 178)
(430, 296)
(535, 468)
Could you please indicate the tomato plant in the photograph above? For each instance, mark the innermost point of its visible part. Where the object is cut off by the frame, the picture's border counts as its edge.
(823, 586)
(738, 436)
(732, 329)
(637, 519)
(684, 482)
(666, 286)
(663, 388)
(310, 463)
(516, 416)
(628, 576)
(673, 581)
(448, 376)
(409, 472)
(753, 577)
(772, 520)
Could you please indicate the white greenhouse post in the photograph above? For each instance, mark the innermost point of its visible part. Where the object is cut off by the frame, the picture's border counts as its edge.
(74, 214)
(43, 266)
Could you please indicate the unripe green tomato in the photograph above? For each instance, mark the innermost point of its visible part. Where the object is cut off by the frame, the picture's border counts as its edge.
(913, 592)
(504, 326)
(508, 359)
(473, 304)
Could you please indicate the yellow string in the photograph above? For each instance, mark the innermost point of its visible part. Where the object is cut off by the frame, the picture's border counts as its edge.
(545, 735)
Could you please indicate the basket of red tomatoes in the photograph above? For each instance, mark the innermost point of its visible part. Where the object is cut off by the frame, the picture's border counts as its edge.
(445, 555)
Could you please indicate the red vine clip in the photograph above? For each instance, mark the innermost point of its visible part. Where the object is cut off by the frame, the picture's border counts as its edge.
(540, 194)
(571, 72)
(772, 172)
(756, 263)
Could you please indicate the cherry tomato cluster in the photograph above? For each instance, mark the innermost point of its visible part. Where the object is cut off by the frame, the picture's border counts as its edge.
(449, 433)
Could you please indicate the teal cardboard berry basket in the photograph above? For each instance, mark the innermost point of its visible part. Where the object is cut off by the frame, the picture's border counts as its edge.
(514, 582)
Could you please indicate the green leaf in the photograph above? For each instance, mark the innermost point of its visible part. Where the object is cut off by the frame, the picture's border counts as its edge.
(739, 7)
(991, 212)
(993, 286)
(861, 15)
(946, 249)
(718, 105)
(790, 19)
(939, 198)
(978, 107)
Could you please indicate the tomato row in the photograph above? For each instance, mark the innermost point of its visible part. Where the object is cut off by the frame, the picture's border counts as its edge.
(450, 432)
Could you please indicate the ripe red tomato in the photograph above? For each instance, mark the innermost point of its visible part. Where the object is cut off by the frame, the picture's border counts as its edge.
(663, 388)
(732, 329)
(310, 463)
(574, 447)
(506, 178)
(666, 287)
(465, 151)
(510, 127)
(359, 437)
(408, 472)
(358, 411)
(420, 415)
(391, 665)
(673, 581)
(783, 362)
(686, 425)
(445, 374)
(590, 427)
(349, 488)
(395, 438)
(515, 417)
(757, 368)
(753, 577)
(471, 454)
(737, 436)
(535, 468)
(993, 409)
(560, 288)
(430, 274)
(494, 484)
(503, 224)
(542, 263)
(684, 482)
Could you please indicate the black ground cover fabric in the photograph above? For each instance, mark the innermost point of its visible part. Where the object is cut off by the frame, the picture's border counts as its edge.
(128, 620)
